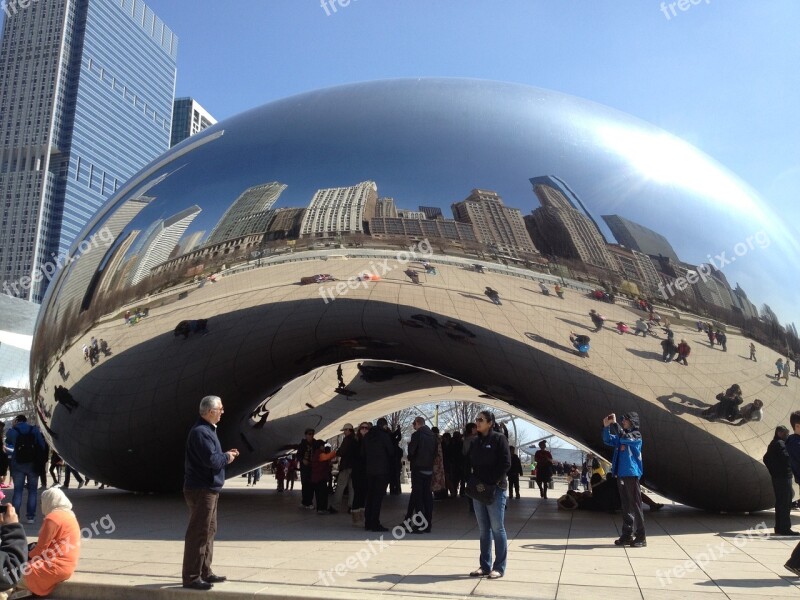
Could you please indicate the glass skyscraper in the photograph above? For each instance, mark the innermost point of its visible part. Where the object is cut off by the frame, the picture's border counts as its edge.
(188, 118)
(86, 92)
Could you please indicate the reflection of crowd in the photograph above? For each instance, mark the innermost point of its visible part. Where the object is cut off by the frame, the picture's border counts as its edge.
(728, 407)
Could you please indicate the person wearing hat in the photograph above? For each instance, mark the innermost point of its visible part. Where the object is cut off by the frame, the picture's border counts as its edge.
(626, 467)
(346, 454)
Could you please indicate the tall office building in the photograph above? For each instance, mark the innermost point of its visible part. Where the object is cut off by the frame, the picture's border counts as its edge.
(564, 229)
(188, 118)
(250, 213)
(640, 238)
(86, 89)
(495, 224)
(340, 210)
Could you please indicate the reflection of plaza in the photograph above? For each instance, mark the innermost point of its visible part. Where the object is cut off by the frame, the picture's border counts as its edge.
(265, 330)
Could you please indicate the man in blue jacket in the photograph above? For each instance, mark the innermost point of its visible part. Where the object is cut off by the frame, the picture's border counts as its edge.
(203, 479)
(626, 466)
(26, 446)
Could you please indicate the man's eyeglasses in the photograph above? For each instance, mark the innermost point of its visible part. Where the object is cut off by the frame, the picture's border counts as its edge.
(219, 409)
(480, 420)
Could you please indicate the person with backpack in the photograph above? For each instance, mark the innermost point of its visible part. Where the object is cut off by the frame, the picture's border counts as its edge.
(25, 445)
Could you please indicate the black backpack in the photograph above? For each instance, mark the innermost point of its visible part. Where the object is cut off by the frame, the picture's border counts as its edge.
(25, 447)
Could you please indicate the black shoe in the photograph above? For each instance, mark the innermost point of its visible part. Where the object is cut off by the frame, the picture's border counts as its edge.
(332, 510)
(639, 543)
(795, 570)
(216, 579)
(198, 584)
(790, 532)
(623, 541)
(380, 529)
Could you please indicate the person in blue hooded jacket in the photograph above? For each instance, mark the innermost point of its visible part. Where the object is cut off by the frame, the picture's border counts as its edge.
(626, 467)
(24, 444)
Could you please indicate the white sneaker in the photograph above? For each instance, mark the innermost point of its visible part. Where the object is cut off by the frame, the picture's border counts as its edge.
(30, 521)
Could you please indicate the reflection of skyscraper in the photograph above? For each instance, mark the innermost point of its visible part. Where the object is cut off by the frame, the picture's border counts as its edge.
(250, 213)
(563, 229)
(648, 271)
(417, 215)
(740, 299)
(422, 228)
(340, 210)
(286, 224)
(87, 90)
(161, 242)
(712, 287)
(113, 273)
(77, 289)
(638, 237)
(495, 224)
(432, 212)
(188, 118)
(192, 241)
(385, 207)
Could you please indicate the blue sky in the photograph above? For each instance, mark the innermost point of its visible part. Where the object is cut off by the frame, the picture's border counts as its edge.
(721, 75)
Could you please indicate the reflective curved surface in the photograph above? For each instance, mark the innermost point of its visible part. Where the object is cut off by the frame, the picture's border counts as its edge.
(260, 253)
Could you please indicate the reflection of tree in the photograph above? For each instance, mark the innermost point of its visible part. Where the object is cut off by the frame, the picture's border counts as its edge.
(402, 418)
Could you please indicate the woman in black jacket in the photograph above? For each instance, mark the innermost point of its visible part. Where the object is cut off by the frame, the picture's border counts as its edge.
(490, 460)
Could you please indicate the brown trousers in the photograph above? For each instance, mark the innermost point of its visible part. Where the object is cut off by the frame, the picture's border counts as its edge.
(198, 549)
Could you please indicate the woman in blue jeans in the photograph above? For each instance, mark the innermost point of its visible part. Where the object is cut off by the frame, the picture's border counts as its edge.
(490, 459)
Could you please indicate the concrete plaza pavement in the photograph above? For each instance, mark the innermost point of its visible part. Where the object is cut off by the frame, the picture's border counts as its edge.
(270, 548)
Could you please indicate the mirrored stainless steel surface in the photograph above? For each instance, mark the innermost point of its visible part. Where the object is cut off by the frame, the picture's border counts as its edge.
(199, 278)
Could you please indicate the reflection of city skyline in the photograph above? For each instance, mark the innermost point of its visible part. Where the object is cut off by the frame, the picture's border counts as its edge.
(561, 226)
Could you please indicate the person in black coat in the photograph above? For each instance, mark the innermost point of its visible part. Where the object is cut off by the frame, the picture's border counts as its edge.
(378, 450)
(514, 473)
(13, 549)
(421, 454)
(305, 450)
(780, 468)
(490, 460)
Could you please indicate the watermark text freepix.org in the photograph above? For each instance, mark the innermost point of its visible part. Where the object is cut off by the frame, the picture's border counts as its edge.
(712, 553)
(668, 8)
(416, 251)
(10, 7)
(61, 548)
(330, 6)
(50, 268)
(718, 262)
(372, 548)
